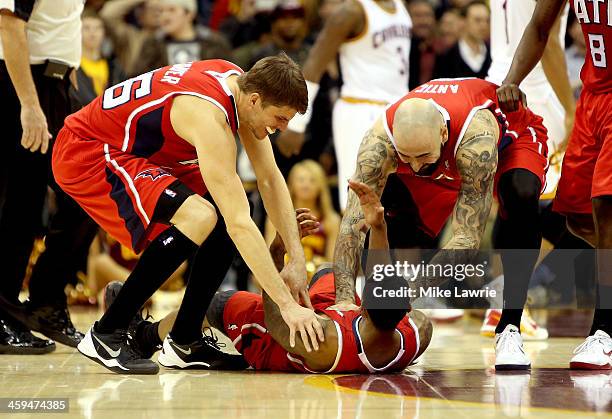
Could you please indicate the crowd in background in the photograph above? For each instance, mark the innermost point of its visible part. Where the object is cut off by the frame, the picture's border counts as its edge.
(123, 38)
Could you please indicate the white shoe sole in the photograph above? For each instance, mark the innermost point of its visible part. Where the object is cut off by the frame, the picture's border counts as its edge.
(87, 348)
(589, 366)
(169, 359)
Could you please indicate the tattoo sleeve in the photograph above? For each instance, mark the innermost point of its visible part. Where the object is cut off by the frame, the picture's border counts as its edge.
(477, 164)
(376, 159)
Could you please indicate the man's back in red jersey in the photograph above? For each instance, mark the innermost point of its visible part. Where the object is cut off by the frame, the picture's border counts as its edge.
(134, 116)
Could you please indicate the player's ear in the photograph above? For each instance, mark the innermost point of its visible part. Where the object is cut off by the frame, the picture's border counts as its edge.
(444, 133)
(253, 98)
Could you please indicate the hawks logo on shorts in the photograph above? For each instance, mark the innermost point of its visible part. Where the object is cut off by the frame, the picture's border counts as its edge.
(154, 174)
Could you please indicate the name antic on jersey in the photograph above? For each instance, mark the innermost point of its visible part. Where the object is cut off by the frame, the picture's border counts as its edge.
(438, 88)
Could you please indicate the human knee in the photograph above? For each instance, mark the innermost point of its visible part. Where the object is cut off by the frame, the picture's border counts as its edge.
(520, 189)
(581, 225)
(196, 218)
(425, 329)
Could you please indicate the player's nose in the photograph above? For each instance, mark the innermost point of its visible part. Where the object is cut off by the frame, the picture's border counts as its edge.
(416, 166)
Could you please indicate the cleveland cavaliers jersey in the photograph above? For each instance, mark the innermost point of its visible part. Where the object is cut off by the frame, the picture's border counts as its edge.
(375, 64)
(134, 116)
(509, 18)
(595, 18)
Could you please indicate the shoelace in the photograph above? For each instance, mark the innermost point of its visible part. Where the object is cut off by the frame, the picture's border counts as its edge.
(591, 341)
(138, 319)
(212, 339)
(508, 342)
(131, 351)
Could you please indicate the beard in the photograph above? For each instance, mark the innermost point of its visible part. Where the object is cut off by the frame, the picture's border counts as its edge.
(427, 170)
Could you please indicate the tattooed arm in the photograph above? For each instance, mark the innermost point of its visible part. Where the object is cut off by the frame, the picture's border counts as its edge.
(477, 164)
(375, 161)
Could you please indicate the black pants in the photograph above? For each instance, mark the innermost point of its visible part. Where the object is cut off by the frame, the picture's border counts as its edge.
(24, 179)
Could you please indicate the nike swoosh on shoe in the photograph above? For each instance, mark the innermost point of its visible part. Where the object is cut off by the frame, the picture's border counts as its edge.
(112, 353)
(186, 352)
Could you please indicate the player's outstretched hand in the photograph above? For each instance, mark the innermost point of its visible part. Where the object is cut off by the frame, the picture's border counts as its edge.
(303, 320)
(296, 279)
(373, 210)
(509, 96)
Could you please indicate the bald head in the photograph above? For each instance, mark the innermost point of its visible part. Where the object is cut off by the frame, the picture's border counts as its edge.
(419, 130)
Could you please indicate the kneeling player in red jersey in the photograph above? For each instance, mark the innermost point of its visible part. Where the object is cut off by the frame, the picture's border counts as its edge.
(453, 151)
(153, 162)
(357, 340)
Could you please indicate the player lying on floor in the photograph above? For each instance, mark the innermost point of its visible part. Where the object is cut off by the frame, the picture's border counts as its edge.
(356, 341)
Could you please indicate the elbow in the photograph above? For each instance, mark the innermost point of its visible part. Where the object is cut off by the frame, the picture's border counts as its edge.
(464, 242)
(239, 226)
(469, 243)
(265, 183)
(270, 179)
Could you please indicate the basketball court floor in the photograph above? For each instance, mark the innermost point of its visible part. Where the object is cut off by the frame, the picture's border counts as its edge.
(454, 379)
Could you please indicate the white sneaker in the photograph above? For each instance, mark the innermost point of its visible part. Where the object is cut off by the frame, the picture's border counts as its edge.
(529, 328)
(509, 353)
(595, 353)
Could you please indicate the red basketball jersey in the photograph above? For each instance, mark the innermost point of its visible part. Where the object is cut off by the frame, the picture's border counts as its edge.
(458, 100)
(351, 357)
(134, 116)
(595, 18)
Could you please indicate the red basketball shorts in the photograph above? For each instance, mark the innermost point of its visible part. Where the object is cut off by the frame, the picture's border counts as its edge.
(587, 165)
(118, 190)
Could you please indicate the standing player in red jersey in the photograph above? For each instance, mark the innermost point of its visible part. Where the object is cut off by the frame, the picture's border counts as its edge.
(153, 161)
(584, 194)
(447, 142)
(363, 341)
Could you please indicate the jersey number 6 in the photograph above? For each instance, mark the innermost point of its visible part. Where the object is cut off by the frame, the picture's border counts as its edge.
(121, 93)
